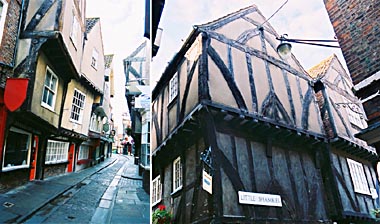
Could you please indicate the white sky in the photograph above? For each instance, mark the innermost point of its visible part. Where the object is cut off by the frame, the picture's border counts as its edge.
(298, 18)
(122, 24)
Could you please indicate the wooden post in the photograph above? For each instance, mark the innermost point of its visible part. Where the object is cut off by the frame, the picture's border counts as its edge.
(3, 123)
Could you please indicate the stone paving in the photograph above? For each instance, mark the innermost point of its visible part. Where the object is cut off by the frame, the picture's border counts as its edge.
(127, 202)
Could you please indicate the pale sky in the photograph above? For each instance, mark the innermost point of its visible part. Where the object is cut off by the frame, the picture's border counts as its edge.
(298, 18)
(122, 24)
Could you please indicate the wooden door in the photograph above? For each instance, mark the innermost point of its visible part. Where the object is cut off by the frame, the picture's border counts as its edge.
(33, 165)
(71, 158)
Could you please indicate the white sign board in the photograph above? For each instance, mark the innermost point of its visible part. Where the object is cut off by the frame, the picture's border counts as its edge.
(374, 193)
(259, 199)
(207, 182)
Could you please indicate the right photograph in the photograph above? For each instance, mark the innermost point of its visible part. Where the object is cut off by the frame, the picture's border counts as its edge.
(265, 112)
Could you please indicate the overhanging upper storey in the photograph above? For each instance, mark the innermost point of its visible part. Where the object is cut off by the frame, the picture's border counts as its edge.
(232, 63)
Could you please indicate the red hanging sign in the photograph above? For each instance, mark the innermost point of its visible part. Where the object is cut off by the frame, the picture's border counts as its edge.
(15, 92)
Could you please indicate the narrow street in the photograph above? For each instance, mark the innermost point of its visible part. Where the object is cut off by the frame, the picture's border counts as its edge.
(109, 194)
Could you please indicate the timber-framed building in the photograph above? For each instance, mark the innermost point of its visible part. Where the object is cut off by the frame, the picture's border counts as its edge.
(60, 53)
(240, 134)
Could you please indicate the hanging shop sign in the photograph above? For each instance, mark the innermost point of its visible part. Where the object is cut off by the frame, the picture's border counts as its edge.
(207, 182)
(15, 92)
(259, 199)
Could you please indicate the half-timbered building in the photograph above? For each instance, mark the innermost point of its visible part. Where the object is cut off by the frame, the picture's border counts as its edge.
(10, 18)
(61, 54)
(48, 54)
(137, 93)
(238, 136)
(352, 161)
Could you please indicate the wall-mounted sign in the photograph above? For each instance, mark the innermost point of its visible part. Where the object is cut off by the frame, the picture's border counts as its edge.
(259, 199)
(374, 193)
(207, 182)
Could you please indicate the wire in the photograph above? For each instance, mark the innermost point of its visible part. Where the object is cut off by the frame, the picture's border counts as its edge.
(275, 12)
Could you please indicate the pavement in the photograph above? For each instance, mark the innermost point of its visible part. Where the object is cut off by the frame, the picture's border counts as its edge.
(124, 201)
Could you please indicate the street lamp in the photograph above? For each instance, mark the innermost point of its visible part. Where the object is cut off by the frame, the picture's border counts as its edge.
(284, 48)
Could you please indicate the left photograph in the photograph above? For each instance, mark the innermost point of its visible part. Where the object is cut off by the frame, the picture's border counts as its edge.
(75, 111)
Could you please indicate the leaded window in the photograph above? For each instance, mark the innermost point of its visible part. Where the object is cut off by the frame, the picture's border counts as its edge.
(77, 106)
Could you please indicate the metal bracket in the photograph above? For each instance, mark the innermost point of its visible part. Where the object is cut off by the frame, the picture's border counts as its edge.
(207, 159)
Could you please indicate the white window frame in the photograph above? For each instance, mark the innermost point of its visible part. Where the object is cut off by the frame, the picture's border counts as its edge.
(7, 167)
(354, 118)
(50, 90)
(358, 177)
(173, 87)
(177, 175)
(83, 152)
(56, 152)
(145, 144)
(94, 58)
(77, 106)
(95, 123)
(3, 16)
(156, 191)
(74, 34)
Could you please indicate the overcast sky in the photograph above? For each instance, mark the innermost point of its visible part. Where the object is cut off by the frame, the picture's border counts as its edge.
(298, 18)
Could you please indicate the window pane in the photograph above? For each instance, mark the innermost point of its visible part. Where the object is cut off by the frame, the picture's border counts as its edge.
(50, 98)
(17, 147)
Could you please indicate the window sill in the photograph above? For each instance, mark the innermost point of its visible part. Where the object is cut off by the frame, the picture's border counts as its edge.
(12, 168)
(56, 163)
(75, 121)
(156, 203)
(47, 106)
(176, 192)
(172, 102)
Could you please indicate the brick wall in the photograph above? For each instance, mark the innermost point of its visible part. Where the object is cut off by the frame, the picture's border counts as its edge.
(12, 179)
(54, 170)
(357, 26)
(10, 34)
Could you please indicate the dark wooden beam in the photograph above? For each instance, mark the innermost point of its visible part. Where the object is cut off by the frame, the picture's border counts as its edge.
(228, 77)
(40, 13)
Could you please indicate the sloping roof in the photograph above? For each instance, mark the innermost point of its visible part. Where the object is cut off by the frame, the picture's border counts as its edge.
(90, 23)
(108, 60)
(319, 70)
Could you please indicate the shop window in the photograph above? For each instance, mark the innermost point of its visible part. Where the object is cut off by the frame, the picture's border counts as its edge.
(77, 106)
(177, 174)
(17, 149)
(56, 152)
(156, 190)
(83, 152)
(50, 89)
(358, 177)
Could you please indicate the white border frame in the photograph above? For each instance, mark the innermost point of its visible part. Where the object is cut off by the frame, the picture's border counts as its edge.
(29, 150)
(43, 104)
